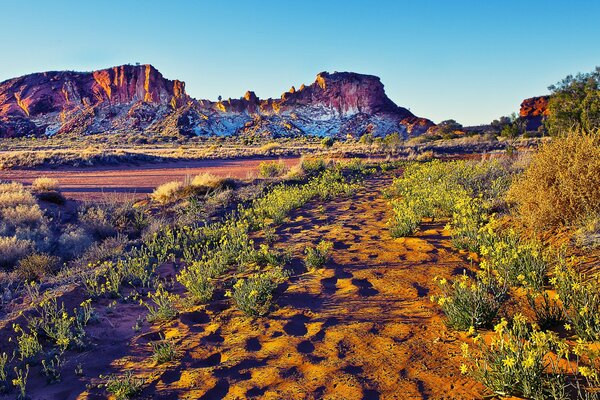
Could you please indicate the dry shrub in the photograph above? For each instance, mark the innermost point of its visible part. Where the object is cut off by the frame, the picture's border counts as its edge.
(36, 266)
(167, 192)
(13, 249)
(207, 180)
(270, 148)
(12, 194)
(23, 214)
(562, 184)
(271, 169)
(45, 184)
(587, 234)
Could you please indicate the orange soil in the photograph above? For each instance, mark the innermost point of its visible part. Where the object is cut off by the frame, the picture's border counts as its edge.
(127, 182)
(361, 328)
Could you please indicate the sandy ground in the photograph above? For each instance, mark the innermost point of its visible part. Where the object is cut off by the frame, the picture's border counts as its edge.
(129, 182)
(361, 328)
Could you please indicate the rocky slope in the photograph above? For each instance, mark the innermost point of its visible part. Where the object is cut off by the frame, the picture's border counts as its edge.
(533, 110)
(139, 99)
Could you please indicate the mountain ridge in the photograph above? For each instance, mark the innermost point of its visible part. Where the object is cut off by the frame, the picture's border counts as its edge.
(137, 98)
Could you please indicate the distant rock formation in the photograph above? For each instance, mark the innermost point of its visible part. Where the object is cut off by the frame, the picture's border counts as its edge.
(533, 110)
(139, 99)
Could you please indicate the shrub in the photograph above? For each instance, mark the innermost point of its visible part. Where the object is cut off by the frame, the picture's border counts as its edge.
(254, 295)
(96, 219)
(73, 243)
(580, 298)
(271, 169)
(514, 363)
(3, 375)
(587, 234)
(164, 308)
(123, 387)
(316, 257)
(562, 183)
(469, 304)
(163, 351)
(197, 281)
(270, 148)
(312, 166)
(45, 184)
(207, 180)
(167, 192)
(12, 194)
(327, 141)
(36, 266)
(13, 249)
(23, 214)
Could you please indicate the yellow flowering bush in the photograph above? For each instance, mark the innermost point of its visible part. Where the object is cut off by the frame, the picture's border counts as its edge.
(253, 295)
(469, 303)
(164, 308)
(435, 189)
(521, 360)
(580, 299)
(317, 256)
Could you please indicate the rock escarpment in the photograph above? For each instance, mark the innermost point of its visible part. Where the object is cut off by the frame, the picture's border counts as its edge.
(533, 111)
(139, 99)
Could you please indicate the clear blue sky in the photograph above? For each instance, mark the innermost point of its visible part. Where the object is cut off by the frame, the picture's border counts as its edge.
(468, 60)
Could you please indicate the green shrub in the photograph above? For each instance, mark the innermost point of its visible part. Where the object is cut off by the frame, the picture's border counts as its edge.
(163, 351)
(316, 257)
(271, 169)
(123, 387)
(164, 308)
(197, 281)
(253, 295)
(470, 303)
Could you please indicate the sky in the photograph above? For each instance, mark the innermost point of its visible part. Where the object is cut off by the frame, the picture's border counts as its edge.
(471, 61)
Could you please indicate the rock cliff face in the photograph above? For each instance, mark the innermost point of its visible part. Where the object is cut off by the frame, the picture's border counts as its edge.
(139, 99)
(533, 110)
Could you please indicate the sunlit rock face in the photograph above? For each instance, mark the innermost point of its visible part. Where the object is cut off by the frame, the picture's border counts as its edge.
(533, 110)
(139, 99)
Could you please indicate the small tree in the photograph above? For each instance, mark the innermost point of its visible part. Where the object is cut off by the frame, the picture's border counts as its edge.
(575, 104)
(393, 140)
(327, 141)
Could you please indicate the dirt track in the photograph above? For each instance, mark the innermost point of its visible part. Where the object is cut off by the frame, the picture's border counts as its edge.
(125, 182)
(362, 328)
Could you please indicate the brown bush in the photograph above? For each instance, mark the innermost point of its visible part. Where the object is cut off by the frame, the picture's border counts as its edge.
(36, 266)
(562, 184)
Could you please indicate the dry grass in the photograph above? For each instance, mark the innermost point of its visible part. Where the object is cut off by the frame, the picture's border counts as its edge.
(13, 249)
(562, 184)
(207, 180)
(167, 192)
(13, 194)
(45, 184)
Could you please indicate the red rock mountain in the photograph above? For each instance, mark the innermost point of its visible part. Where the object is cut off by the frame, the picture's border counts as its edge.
(533, 110)
(139, 99)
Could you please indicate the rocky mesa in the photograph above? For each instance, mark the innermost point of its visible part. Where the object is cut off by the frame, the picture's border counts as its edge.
(533, 111)
(138, 99)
